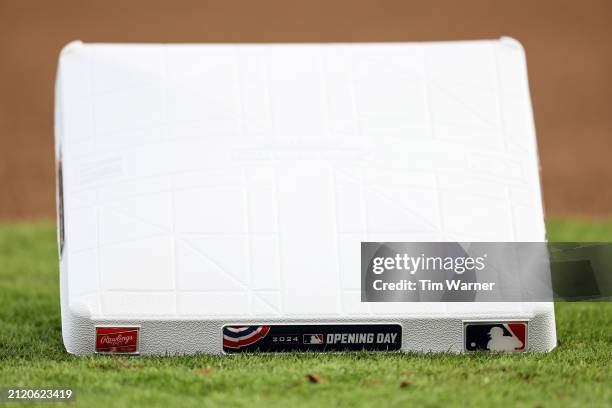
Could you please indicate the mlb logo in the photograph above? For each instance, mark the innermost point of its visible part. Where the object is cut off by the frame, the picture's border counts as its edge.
(315, 338)
(496, 337)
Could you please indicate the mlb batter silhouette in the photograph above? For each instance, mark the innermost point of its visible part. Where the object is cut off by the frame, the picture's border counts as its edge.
(499, 342)
(315, 340)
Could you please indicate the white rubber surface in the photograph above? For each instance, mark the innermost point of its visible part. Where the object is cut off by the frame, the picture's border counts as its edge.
(213, 184)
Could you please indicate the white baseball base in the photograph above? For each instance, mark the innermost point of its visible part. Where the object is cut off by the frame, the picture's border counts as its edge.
(210, 185)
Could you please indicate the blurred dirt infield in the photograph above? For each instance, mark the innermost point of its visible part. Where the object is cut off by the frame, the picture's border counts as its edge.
(568, 46)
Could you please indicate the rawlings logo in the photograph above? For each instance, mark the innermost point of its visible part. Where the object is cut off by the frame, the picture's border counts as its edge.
(117, 339)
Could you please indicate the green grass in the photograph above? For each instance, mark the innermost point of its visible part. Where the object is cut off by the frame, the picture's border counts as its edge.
(577, 373)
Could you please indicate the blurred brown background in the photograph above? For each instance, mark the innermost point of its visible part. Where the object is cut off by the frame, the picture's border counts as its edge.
(568, 44)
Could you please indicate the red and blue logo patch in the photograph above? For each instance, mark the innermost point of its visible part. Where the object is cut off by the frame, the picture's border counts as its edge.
(496, 337)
